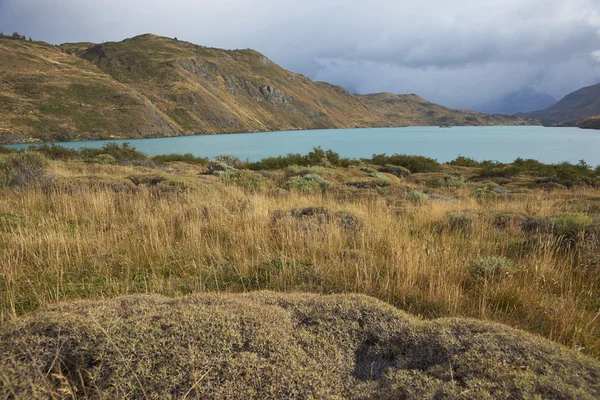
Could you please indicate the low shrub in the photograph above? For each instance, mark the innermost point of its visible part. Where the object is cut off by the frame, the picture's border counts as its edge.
(122, 154)
(454, 181)
(490, 267)
(23, 169)
(307, 183)
(230, 160)
(54, 152)
(249, 180)
(7, 150)
(570, 227)
(462, 161)
(397, 170)
(414, 164)
(317, 156)
(461, 220)
(186, 158)
(372, 173)
(104, 159)
(416, 196)
(218, 167)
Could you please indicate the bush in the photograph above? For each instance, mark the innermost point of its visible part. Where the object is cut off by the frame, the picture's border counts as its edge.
(218, 167)
(461, 221)
(490, 267)
(232, 161)
(104, 159)
(414, 164)
(122, 154)
(416, 196)
(498, 170)
(570, 227)
(249, 180)
(462, 161)
(55, 152)
(186, 158)
(372, 173)
(489, 190)
(279, 162)
(7, 150)
(397, 170)
(308, 183)
(454, 181)
(317, 157)
(23, 169)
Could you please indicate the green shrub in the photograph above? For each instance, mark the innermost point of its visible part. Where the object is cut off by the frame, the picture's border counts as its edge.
(416, 196)
(454, 181)
(571, 227)
(232, 161)
(490, 267)
(218, 167)
(249, 180)
(23, 169)
(414, 164)
(123, 154)
(461, 221)
(307, 184)
(279, 162)
(186, 158)
(462, 161)
(397, 170)
(7, 150)
(104, 159)
(372, 173)
(55, 152)
(498, 170)
(488, 190)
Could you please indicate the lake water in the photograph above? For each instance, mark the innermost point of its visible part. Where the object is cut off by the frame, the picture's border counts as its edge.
(500, 143)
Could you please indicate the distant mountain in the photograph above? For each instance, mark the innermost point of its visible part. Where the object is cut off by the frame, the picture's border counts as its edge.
(525, 100)
(576, 106)
(151, 86)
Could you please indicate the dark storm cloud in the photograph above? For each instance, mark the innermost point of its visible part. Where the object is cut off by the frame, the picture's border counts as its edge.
(458, 53)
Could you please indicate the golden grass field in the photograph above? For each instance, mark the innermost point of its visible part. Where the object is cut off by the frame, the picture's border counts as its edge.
(438, 244)
(96, 234)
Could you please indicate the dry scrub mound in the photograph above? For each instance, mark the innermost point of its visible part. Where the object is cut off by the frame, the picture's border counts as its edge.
(268, 345)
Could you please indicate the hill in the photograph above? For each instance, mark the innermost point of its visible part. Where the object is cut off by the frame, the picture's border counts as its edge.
(575, 106)
(525, 100)
(267, 345)
(151, 86)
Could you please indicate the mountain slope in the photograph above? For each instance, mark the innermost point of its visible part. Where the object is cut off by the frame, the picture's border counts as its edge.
(525, 100)
(151, 86)
(49, 95)
(580, 104)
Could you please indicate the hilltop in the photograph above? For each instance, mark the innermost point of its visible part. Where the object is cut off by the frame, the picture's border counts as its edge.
(151, 86)
(574, 107)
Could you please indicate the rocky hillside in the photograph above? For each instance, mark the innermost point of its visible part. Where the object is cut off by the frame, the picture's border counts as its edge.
(575, 106)
(273, 346)
(584, 123)
(151, 86)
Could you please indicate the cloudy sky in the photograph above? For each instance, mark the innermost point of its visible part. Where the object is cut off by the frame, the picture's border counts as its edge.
(459, 53)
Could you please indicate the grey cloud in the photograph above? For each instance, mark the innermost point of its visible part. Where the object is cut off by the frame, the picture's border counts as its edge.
(458, 53)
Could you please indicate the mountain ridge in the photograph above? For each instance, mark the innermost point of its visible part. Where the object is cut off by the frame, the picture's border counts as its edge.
(152, 86)
(575, 106)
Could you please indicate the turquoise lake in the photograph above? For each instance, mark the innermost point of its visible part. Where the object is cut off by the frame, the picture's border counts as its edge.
(500, 143)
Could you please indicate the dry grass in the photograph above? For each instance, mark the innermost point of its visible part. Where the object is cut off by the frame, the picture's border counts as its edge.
(267, 345)
(96, 234)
